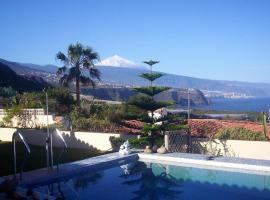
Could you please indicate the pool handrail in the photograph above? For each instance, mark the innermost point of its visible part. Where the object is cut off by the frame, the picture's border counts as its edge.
(18, 134)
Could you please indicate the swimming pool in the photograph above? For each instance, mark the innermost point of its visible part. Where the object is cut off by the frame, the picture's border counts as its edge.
(145, 180)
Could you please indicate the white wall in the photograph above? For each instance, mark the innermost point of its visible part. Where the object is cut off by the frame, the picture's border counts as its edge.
(238, 148)
(6, 134)
(82, 140)
(32, 122)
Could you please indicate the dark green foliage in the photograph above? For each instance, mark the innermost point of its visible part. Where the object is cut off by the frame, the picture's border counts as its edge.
(78, 58)
(60, 101)
(142, 142)
(137, 143)
(153, 126)
(148, 103)
(151, 77)
(264, 122)
(151, 62)
(151, 90)
(97, 117)
(116, 142)
(239, 134)
(174, 127)
(132, 112)
(7, 92)
(8, 78)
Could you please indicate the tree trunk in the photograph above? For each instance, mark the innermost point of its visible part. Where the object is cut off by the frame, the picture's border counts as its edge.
(78, 90)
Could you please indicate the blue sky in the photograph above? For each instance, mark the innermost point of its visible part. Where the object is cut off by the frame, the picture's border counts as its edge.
(218, 39)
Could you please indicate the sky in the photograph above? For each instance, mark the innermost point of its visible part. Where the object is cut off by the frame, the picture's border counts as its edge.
(213, 39)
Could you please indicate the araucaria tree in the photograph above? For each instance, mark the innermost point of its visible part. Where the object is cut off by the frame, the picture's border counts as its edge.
(146, 100)
(78, 60)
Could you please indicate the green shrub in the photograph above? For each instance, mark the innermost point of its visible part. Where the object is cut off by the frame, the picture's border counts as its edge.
(141, 143)
(83, 121)
(137, 143)
(239, 134)
(7, 92)
(116, 142)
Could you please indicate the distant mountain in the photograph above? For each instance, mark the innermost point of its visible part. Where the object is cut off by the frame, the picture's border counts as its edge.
(117, 61)
(33, 70)
(179, 96)
(9, 78)
(126, 76)
(121, 75)
(45, 68)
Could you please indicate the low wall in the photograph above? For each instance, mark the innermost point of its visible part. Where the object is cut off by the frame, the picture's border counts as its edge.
(81, 140)
(235, 148)
(30, 121)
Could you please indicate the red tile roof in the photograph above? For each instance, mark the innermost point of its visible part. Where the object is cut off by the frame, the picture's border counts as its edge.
(209, 127)
(131, 126)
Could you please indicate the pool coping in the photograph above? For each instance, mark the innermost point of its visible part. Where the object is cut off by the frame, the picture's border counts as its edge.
(66, 170)
(222, 163)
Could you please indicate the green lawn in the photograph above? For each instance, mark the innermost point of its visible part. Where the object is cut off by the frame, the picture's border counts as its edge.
(37, 158)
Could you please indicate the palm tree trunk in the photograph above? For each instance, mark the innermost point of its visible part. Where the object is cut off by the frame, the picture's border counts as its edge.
(78, 90)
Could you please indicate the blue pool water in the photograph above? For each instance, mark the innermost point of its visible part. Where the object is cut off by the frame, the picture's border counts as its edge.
(139, 180)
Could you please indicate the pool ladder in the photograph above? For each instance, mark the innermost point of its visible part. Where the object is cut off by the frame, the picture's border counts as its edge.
(65, 145)
(18, 135)
(15, 135)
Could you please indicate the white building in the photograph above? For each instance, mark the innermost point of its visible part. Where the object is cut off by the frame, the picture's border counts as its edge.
(159, 113)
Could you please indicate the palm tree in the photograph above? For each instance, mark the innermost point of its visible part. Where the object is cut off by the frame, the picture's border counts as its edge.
(78, 59)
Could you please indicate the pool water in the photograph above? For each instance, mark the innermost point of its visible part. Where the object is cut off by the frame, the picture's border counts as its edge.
(140, 180)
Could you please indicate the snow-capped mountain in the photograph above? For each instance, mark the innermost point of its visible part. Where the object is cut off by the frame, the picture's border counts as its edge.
(118, 61)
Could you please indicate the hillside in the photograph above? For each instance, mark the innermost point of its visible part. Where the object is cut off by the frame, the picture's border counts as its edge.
(9, 78)
(129, 76)
(179, 96)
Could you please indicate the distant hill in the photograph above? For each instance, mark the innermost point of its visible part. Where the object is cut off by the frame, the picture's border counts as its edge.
(129, 76)
(9, 78)
(32, 70)
(179, 96)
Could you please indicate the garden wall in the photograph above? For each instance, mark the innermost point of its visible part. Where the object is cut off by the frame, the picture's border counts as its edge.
(233, 148)
(30, 121)
(82, 140)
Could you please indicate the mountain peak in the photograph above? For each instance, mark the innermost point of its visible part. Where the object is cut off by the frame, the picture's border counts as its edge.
(118, 61)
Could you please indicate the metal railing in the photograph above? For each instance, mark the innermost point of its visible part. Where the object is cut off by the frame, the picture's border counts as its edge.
(65, 145)
(14, 136)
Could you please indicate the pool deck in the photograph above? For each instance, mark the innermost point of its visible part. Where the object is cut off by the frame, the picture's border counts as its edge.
(242, 164)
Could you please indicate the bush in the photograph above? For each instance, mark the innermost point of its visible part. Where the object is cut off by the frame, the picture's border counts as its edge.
(137, 143)
(116, 142)
(82, 120)
(239, 134)
(7, 92)
(141, 143)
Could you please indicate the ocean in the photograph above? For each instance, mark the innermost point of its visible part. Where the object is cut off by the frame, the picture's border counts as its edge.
(253, 104)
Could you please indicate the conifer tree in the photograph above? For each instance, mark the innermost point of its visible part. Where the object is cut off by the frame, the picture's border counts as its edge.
(147, 102)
